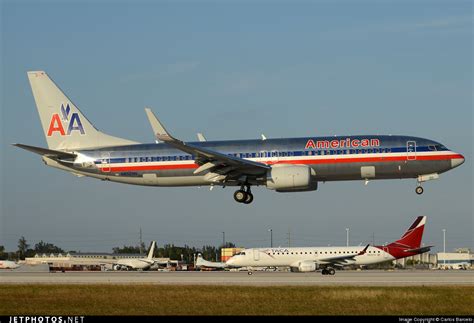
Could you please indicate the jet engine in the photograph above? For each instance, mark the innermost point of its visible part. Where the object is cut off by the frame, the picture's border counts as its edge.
(291, 178)
(304, 267)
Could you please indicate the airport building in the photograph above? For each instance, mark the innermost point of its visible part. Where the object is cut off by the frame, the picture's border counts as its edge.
(89, 261)
(424, 260)
(227, 253)
(462, 258)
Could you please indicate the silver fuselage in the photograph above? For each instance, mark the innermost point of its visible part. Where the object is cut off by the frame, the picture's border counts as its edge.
(331, 158)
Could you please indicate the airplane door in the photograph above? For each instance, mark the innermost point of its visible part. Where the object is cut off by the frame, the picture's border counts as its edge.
(105, 162)
(256, 254)
(411, 150)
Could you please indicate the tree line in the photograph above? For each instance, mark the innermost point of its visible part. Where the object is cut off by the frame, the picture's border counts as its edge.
(186, 253)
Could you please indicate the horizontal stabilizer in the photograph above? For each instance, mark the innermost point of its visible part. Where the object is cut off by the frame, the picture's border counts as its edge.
(47, 152)
(420, 250)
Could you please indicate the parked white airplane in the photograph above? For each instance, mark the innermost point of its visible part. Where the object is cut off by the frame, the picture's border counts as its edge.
(140, 263)
(201, 262)
(312, 258)
(7, 264)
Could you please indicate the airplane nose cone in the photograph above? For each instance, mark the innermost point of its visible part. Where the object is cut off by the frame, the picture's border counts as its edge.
(455, 162)
(230, 262)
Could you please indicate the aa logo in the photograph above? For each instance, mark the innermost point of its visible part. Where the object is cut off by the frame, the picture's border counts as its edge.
(71, 121)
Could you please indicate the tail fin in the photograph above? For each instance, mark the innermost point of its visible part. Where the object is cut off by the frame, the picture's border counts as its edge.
(64, 126)
(412, 237)
(152, 250)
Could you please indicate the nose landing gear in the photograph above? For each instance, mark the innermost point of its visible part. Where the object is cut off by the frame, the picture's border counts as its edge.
(243, 196)
(419, 190)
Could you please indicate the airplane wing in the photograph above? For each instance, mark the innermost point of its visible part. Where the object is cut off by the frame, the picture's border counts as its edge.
(342, 260)
(55, 154)
(207, 159)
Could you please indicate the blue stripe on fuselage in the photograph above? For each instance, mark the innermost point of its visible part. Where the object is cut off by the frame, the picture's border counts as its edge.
(295, 146)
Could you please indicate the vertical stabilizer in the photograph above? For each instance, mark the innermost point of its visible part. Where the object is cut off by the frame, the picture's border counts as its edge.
(152, 250)
(412, 237)
(64, 125)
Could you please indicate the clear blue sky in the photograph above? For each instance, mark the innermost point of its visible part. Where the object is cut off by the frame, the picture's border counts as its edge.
(236, 69)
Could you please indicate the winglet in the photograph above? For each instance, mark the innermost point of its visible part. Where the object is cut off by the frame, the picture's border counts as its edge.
(158, 129)
(201, 137)
(364, 251)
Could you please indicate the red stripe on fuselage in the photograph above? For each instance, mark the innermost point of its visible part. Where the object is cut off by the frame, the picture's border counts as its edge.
(381, 159)
(366, 159)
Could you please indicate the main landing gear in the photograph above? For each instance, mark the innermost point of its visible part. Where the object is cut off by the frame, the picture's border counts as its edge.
(328, 271)
(243, 196)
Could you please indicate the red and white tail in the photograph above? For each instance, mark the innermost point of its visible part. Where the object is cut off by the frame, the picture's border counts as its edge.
(412, 237)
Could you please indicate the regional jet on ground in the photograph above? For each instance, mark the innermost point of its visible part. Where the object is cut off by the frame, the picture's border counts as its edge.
(7, 264)
(134, 263)
(313, 258)
(283, 165)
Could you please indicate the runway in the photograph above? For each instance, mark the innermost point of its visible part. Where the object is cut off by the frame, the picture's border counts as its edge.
(355, 278)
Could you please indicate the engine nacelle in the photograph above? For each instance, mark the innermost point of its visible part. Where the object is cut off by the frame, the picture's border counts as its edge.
(291, 178)
(304, 267)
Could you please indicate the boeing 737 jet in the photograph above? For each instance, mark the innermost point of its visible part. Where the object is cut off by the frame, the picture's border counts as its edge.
(283, 165)
(313, 258)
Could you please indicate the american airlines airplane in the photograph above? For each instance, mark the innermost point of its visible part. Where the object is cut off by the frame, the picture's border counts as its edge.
(312, 258)
(283, 165)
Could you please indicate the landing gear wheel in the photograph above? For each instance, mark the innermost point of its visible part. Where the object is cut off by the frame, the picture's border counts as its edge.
(249, 198)
(419, 190)
(331, 271)
(250, 273)
(324, 272)
(240, 196)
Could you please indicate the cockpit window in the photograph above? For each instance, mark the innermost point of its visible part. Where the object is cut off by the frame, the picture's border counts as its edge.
(432, 147)
(240, 254)
(441, 147)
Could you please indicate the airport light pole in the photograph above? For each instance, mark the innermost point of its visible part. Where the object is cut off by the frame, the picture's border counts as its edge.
(444, 247)
(347, 237)
(223, 239)
(271, 237)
